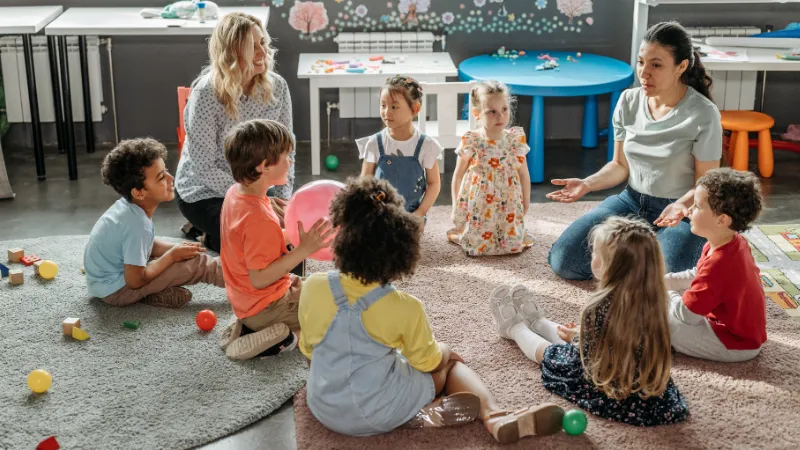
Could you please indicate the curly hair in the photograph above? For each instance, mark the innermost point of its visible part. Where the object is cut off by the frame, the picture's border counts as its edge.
(123, 167)
(735, 194)
(252, 142)
(405, 86)
(378, 241)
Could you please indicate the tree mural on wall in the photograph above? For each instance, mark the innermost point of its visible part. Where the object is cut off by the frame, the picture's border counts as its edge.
(574, 8)
(471, 16)
(308, 17)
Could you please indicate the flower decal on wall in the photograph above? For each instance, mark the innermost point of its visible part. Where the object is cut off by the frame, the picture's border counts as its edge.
(480, 3)
(308, 17)
(277, 3)
(541, 4)
(447, 18)
(361, 11)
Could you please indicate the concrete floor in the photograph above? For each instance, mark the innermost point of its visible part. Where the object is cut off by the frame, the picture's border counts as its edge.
(58, 206)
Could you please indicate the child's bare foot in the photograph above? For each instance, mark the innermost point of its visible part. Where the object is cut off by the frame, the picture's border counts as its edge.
(541, 420)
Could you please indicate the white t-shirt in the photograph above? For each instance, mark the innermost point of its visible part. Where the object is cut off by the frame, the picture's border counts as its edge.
(368, 148)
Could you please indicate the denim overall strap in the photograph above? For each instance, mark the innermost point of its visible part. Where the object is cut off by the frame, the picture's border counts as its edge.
(336, 289)
(372, 296)
(379, 135)
(419, 146)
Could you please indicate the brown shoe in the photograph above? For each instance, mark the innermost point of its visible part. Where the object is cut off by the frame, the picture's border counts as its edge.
(455, 409)
(174, 297)
(539, 420)
(252, 344)
(231, 333)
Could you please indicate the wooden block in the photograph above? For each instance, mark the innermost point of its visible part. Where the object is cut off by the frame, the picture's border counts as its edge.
(132, 324)
(69, 323)
(36, 267)
(15, 276)
(3, 271)
(15, 254)
(49, 444)
(79, 334)
(29, 260)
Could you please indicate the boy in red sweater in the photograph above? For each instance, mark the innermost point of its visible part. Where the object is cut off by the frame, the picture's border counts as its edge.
(717, 310)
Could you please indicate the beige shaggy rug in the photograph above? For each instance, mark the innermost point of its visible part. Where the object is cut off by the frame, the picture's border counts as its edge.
(752, 405)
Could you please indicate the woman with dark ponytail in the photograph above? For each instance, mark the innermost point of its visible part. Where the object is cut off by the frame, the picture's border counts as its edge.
(667, 135)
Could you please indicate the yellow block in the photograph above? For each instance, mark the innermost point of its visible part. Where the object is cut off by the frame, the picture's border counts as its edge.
(79, 334)
(48, 269)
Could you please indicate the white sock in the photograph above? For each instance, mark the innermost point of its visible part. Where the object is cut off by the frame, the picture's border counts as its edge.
(528, 341)
(547, 329)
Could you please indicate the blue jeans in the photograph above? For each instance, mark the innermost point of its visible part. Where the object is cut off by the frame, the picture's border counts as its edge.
(571, 258)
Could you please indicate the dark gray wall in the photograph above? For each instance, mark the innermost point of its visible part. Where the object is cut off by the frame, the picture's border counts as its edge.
(147, 70)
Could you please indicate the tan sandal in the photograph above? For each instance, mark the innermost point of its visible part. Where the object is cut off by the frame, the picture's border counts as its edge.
(538, 420)
(455, 409)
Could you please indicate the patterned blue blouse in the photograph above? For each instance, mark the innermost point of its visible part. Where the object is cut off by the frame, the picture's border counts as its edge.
(203, 172)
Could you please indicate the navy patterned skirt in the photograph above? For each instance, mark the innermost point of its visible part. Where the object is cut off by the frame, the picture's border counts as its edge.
(562, 374)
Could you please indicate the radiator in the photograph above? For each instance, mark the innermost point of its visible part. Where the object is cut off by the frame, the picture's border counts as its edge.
(15, 83)
(732, 90)
(365, 102)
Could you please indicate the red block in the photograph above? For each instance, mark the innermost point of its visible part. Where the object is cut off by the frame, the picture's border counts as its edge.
(48, 444)
(30, 259)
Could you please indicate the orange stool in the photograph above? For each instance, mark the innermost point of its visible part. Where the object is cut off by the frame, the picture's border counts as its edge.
(742, 122)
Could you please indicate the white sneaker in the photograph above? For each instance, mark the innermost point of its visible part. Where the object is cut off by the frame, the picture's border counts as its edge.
(504, 313)
(526, 304)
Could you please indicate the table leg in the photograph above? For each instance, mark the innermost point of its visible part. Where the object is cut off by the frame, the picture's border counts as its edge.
(52, 52)
(536, 139)
(612, 107)
(589, 133)
(87, 97)
(69, 132)
(315, 144)
(33, 98)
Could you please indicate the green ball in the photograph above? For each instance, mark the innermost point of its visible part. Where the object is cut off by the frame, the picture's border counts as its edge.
(331, 162)
(574, 422)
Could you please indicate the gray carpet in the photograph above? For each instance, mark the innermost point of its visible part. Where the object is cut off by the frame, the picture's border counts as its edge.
(166, 385)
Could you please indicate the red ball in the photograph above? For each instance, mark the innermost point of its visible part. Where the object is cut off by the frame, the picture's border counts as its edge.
(206, 320)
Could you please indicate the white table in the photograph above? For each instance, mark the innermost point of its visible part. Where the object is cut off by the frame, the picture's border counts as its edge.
(28, 20)
(430, 67)
(118, 22)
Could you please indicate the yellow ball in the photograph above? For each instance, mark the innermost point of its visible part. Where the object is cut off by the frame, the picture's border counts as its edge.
(48, 269)
(39, 381)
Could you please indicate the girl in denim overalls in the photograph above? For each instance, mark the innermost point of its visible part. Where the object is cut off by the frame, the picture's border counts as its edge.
(400, 153)
(375, 364)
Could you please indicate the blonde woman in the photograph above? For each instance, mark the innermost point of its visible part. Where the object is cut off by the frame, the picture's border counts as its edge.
(238, 85)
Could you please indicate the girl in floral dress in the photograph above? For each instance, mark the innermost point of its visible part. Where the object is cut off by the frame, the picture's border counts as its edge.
(620, 369)
(491, 185)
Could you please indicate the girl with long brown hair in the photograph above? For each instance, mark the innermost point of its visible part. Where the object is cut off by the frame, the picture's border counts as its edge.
(621, 368)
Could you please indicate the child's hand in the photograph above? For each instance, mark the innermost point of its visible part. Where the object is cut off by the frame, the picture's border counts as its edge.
(568, 332)
(185, 251)
(455, 357)
(317, 237)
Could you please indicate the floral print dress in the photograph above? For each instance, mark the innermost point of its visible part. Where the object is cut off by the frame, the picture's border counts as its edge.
(563, 374)
(488, 214)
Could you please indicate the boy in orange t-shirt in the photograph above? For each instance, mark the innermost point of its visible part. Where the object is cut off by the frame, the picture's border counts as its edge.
(255, 260)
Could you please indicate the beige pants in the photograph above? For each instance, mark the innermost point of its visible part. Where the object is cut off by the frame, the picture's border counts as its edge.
(285, 309)
(201, 269)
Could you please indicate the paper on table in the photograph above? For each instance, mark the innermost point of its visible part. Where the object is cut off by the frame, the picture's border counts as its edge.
(712, 54)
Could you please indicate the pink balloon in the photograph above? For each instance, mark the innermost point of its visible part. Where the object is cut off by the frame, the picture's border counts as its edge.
(309, 204)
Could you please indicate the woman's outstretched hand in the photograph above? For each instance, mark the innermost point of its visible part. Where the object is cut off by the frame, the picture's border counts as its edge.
(573, 190)
(672, 215)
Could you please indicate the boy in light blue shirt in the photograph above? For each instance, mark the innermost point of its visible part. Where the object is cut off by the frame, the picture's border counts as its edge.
(124, 261)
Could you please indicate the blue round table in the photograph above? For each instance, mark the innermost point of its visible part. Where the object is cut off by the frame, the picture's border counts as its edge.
(590, 76)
